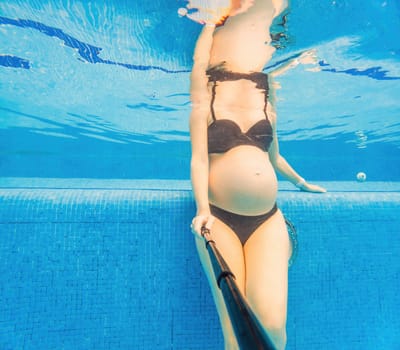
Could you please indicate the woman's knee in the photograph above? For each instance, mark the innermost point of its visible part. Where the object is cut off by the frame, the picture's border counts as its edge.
(276, 326)
(279, 338)
(271, 314)
(274, 322)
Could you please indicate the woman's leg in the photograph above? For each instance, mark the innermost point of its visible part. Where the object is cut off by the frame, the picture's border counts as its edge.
(232, 251)
(266, 259)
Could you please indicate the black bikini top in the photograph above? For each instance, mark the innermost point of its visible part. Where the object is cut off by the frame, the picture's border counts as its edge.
(225, 134)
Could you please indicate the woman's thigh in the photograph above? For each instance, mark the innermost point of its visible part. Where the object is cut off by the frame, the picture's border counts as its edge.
(230, 247)
(266, 259)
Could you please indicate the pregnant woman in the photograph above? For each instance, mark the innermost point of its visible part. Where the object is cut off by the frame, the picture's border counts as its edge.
(235, 155)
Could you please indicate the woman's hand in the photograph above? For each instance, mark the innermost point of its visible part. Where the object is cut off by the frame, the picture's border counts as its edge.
(201, 220)
(209, 12)
(214, 12)
(311, 188)
(310, 57)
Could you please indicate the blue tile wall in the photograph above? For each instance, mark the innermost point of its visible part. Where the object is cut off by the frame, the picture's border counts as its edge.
(117, 269)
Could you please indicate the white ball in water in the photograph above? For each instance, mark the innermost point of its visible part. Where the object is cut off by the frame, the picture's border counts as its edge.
(361, 177)
(182, 11)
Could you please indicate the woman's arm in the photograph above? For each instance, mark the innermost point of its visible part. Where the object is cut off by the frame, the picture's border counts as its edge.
(281, 165)
(308, 57)
(201, 57)
(200, 98)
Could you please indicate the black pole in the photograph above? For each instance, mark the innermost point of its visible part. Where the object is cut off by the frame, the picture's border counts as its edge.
(248, 330)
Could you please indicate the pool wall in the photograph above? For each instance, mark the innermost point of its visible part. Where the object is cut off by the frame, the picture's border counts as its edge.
(87, 264)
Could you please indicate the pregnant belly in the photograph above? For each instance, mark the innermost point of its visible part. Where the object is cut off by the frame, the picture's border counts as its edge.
(242, 181)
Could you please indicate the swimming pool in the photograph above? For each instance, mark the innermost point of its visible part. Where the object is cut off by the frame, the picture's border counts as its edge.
(95, 251)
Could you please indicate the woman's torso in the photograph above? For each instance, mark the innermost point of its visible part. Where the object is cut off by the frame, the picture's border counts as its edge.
(241, 177)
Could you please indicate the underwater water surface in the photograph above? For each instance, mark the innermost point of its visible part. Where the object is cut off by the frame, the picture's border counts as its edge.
(99, 90)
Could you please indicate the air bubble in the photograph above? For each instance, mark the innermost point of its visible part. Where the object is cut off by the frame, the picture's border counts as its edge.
(361, 177)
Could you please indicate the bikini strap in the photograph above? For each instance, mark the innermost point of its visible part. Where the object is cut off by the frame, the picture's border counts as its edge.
(266, 96)
(218, 75)
(213, 93)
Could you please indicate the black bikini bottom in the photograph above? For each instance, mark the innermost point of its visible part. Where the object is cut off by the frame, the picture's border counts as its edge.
(245, 225)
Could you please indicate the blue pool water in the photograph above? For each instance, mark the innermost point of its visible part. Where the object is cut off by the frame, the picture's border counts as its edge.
(95, 250)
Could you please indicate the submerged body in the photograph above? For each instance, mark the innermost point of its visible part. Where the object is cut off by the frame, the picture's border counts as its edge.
(235, 154)
(242, 180)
